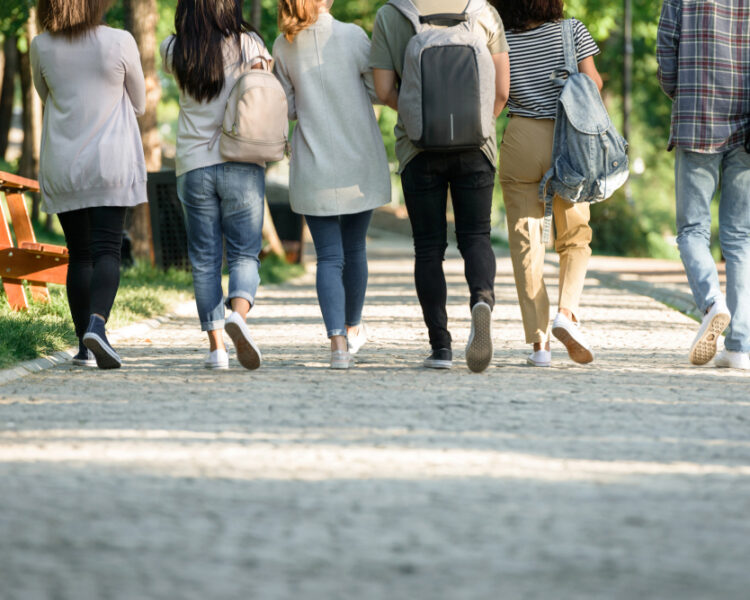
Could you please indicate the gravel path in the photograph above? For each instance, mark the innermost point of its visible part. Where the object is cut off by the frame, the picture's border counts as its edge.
(629, 478)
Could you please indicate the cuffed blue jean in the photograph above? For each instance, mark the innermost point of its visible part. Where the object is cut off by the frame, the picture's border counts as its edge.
(697, 178)
(223, 204)
(340, 243)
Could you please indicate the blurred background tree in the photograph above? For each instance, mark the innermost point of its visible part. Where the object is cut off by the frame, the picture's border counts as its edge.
(643, 226)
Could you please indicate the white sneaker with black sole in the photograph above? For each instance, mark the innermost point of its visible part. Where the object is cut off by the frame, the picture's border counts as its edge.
(479, 349)
(715, 321)
(247, 352)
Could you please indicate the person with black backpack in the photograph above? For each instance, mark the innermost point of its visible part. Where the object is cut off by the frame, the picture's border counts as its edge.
(443, 65)
(212, 50)
(536, 35)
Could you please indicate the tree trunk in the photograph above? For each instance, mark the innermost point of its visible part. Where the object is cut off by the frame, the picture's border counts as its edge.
(141, 17)
(10, 52)
(256, 13)
(32, 117)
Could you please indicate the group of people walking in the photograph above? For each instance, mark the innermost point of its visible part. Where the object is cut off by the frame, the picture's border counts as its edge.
(92, 165)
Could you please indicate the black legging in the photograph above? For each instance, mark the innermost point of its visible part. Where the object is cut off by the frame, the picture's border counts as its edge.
(94, 239)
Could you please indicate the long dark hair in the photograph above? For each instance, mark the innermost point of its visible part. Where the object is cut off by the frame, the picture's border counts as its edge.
(520, 15)
(197, 48)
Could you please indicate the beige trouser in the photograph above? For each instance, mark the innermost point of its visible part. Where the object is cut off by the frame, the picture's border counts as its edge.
(525, 156)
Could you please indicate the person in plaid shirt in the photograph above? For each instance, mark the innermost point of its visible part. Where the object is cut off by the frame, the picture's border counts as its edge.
(703, 50)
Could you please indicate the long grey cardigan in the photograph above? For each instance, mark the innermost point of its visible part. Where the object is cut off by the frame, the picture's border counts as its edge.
(338, 163)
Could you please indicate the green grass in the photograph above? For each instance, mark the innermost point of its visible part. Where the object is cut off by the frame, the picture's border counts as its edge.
(144, 292)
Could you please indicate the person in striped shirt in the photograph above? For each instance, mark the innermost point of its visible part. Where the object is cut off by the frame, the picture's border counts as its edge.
(703, 50)
(534, 34)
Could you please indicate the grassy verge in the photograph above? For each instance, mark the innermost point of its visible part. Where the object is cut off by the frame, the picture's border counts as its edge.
(144, 292)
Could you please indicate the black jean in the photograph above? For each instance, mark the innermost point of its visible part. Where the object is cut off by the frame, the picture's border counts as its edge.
(94, 240)
(471, 179)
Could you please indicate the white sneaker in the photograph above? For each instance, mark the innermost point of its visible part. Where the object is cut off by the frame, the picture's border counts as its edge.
(715, 321)
(479, 349)
(247, 352)
(540, 358)
(733, 360)
(217, 359)
(357, 341)
(341, 359)
(569, 333)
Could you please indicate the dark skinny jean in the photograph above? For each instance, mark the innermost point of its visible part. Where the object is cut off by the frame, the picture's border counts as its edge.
(94, 240)
(471, 179)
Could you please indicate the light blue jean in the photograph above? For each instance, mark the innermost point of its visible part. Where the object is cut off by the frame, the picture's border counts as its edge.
(340, 243)
(697, 178)
(223, 204)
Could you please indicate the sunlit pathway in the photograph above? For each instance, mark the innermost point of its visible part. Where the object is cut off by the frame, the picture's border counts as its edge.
(629, 478)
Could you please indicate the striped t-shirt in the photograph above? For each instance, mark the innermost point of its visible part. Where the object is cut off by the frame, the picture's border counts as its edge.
(534, 54)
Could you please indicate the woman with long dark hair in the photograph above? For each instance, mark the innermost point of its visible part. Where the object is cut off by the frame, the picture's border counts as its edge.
(534, 33)
(223, 201)
(91, 167)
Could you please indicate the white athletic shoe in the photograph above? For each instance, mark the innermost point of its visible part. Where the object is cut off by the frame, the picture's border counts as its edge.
(247, 352)
(732, 360)
(218, 359)
(341, 359)
(715, 321)
(355, 342)
(540, 358)
(569, 333)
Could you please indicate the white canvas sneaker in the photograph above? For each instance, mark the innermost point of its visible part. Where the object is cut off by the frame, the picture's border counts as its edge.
(715, 321)
(247, 352)
(732, 360)
(341, 359)
(217, 359)
(355, 342)
(540, 358)
(569, 333)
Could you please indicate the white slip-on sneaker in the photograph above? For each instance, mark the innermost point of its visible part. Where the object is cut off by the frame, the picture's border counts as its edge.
(217, 359)
(479, 349)
(341, 359)
(732, 360)
(247, 352)
(715, 321)
(357, 341)
(569, 333)
(540, 358)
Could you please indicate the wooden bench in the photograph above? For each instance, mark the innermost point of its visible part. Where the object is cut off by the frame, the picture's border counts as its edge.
(26, 260)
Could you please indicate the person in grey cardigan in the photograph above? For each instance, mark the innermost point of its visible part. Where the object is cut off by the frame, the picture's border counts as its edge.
(92, 166)
(339, 169)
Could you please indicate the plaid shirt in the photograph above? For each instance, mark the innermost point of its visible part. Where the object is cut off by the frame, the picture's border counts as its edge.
(703, 50)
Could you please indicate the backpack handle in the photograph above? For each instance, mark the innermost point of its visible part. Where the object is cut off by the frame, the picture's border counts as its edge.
(457, 17)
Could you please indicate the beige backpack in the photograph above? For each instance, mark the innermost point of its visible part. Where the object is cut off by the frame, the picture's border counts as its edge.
(255, 127)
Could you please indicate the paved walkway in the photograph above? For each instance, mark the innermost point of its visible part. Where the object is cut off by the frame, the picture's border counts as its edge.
(629, 478)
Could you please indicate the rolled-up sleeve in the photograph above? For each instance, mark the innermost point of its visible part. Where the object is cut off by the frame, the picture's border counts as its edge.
(667, 46)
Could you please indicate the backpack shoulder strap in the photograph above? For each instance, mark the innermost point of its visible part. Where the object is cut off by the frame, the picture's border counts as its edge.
(407, 8)
(569, 46)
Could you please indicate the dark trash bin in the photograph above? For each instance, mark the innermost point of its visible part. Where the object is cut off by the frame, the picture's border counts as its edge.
(289, 225)
(167, 222)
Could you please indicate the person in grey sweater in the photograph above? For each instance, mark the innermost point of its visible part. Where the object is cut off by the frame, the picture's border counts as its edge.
(92, 166)
(339, 169)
